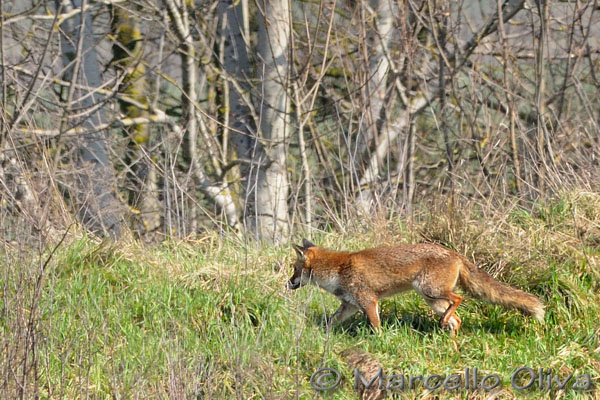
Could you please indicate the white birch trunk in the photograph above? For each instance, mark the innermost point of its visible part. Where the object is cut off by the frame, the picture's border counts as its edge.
(273, 185)
(218, 193)
(379, 65)
(262, 162)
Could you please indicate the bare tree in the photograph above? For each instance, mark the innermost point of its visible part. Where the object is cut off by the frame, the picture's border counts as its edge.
(128, 51)
(271, 218)
(219, 192)
(261, 153)
(272, 117)
(99, 208)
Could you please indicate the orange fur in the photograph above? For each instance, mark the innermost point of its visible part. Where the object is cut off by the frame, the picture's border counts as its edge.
(361, 279)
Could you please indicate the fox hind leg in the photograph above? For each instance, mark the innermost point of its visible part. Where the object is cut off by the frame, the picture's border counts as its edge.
(455, 299)
(447, 312)
(436, 286)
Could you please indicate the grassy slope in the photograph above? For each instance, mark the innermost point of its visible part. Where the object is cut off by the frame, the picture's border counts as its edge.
(212, 319)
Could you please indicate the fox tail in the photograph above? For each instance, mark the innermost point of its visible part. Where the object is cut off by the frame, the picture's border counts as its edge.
(483, 285)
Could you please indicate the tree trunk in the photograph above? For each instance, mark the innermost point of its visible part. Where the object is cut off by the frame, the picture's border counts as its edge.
(544, 149)
(218, 193)
(99, 209)
(142, 186)
(273, 185)
(380, 130)
(379, 62)
(510, 103)
(262, 166)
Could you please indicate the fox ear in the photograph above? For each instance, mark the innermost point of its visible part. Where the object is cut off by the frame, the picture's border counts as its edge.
(299, 251)
(307, 243)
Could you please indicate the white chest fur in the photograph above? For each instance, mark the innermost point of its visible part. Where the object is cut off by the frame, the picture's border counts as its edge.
(329, 284)
(332, 285)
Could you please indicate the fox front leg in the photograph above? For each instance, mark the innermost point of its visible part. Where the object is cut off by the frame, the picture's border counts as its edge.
(345, 311)
(372, 311)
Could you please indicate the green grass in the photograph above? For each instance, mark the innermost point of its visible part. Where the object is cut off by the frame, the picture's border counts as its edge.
(213, 319)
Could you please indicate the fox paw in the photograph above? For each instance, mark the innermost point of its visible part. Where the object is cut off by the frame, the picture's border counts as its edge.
(453, 323)
(443, 323)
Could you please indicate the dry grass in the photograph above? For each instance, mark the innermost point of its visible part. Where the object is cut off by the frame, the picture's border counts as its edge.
(210, 317)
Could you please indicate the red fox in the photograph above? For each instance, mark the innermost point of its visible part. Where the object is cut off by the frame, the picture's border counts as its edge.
(360, 279)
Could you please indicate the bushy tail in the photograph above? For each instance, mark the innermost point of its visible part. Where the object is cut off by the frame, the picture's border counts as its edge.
(482, 285)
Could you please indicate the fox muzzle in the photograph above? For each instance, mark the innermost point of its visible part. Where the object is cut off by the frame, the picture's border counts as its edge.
(293, 285)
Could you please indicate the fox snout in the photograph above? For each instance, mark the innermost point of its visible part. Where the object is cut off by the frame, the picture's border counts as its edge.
(297, 280)
(302, 274)
(293, 284)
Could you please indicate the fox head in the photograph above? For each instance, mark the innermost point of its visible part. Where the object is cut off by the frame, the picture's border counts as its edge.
(302, 269)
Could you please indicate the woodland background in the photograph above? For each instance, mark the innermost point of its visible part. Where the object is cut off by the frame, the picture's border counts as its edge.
(172, 118)
(205, 136)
